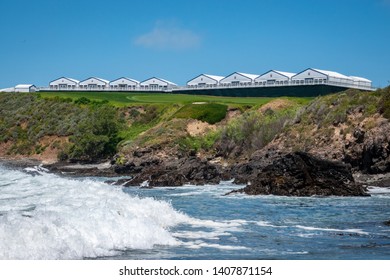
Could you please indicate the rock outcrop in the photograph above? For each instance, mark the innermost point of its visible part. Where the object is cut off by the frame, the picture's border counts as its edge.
(301, 174)
(177, 172)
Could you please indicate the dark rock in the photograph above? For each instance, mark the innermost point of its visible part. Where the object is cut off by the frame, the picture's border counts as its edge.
(178, 172)
(370, 151)
(246, 171)
(359, 135)
(375, 157)
(387, 223)
(301, 174)
(124, 168)
(150, 162)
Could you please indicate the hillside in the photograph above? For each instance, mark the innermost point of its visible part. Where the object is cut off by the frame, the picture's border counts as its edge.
(176, 139)
(88, 126)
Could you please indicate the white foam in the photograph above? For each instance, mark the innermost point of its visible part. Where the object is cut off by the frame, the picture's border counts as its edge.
(49, 217)
(200, 244)
(357, 231)
(309, 228)
(213, 190)
(268, 224)
(378, 190)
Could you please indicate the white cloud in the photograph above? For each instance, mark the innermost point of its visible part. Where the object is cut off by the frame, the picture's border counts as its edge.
(168, 36)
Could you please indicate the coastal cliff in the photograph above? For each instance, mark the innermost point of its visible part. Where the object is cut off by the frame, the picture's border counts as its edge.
(205, 142)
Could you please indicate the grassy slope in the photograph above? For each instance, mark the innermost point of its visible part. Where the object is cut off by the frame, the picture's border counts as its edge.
(172, 106)
(141, 112)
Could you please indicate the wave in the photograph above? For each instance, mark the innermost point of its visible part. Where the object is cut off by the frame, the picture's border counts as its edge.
(50, 217)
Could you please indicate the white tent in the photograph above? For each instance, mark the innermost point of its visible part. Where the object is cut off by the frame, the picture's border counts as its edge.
(238, 79)
(274, 77)
(124, 83)
(204, 80)
(317, 76)
(25, 88)
(94, 83)
(157, 84)
(64, 83)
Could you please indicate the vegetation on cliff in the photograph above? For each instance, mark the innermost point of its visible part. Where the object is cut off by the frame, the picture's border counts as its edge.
(93, 126)
(352, 127)
(79, 130)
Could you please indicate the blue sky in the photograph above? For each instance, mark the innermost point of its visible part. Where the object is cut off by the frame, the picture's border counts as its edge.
(176, 40)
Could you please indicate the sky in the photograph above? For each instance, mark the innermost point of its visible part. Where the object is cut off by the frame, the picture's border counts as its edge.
(176, 40)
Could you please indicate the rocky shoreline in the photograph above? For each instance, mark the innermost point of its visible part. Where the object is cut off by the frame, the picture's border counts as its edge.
(285, 174)
(335, 145)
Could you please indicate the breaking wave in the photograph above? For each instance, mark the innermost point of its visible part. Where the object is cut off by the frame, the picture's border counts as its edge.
(44, 216)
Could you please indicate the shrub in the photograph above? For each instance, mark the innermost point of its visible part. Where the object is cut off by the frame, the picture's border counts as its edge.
(210, 112)
(96, 136)
(252, 131)
(82, 101)
(196, 143)
(26, 118)
(384, 103)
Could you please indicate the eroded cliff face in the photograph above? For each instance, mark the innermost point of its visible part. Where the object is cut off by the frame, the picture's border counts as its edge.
(331, 128)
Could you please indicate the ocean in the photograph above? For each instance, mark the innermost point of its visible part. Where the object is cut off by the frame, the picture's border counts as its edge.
(47, 216)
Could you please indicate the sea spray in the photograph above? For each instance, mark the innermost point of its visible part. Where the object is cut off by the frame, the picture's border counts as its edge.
(51, 217)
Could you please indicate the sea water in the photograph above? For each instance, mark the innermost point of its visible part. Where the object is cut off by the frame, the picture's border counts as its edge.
(46, 216)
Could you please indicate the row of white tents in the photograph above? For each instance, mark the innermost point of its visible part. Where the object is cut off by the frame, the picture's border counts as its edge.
(278, 78)
(309, 76)
(236, 79)
(95, 83)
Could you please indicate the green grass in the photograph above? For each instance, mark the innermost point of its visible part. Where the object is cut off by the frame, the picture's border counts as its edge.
(209, 112)
(121, 99)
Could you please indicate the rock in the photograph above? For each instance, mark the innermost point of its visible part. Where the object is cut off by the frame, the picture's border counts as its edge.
(141, 152)
(387, 223)
(177, 172)
(359, 135)
(128, 167)
(301, 174)
(376, 180)
(247, 171)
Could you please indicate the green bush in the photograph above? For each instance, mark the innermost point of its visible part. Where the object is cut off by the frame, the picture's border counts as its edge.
(252, 131)
(82, 101)
(210, 112)
(196, 143)
(96, 136)
(92, 127)
(384, 103)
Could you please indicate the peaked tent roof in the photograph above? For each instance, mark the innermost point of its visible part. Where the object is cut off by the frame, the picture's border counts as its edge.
(250, 76)
(129, 79)
(96, 78)
(166, 81)
(286, 74)
(214, 77)
(70, 79)
(73, 80)
(331, 73)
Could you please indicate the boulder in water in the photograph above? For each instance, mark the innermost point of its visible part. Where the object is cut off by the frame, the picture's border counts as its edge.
(302, 174)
